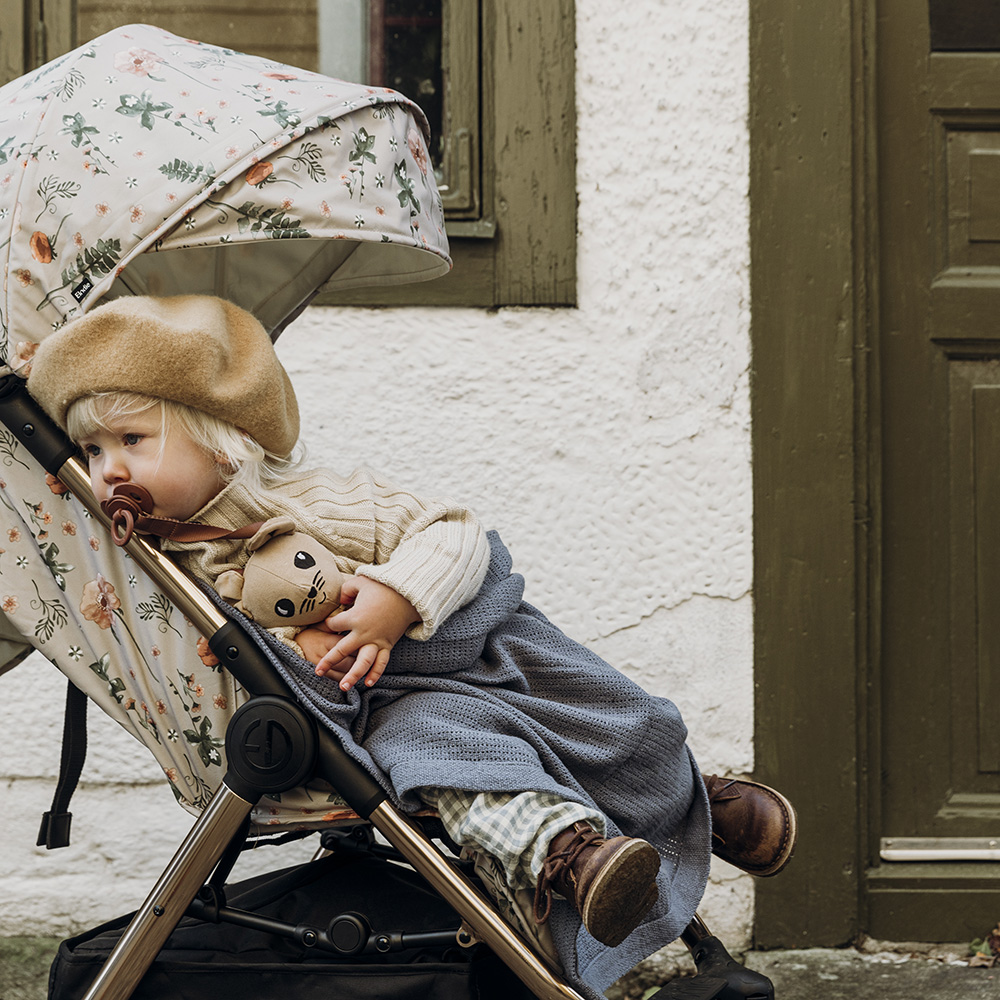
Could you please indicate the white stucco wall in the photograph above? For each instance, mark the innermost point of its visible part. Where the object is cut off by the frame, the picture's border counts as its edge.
(610, 445)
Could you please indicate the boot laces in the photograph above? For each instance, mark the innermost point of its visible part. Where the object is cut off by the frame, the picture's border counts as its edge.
(717, 788)
(558, 864)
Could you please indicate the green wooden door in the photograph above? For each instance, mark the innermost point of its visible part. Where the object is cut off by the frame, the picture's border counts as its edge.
(935, 796)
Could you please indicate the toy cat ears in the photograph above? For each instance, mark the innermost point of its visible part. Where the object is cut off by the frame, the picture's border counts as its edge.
(271, 529)
(229, 585)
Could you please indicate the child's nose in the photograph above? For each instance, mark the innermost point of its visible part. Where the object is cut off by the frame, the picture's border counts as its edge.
(115, 470)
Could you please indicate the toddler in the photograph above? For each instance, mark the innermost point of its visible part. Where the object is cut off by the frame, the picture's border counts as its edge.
(535, 751)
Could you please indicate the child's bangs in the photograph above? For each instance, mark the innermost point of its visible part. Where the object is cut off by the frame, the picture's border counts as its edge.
(102, 410)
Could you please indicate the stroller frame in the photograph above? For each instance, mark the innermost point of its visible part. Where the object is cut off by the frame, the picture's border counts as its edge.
(303, 750)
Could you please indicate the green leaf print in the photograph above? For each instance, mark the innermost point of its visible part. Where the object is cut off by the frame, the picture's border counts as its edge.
(160, 608)
(363, 145)
(206, 744)
(143, 108)
(102, 258)
(406, 186)
(51, 188)
(188, 172)
(54, 615)
(76, 126)
(73, 79)
(115, 684)
(58, 569)
(8, 445)
(282, 114)
(271, 222)
(310, 159)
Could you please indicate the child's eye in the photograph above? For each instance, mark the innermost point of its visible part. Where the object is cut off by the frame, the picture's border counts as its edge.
(132, 438)
(90, 450)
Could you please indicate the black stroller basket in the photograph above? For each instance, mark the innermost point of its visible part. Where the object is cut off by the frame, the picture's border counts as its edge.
(273, 745)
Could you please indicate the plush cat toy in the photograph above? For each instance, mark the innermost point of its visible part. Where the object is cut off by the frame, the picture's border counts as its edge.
(289, 579)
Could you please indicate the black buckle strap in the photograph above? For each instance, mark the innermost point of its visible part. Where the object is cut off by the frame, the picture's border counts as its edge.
(54, 831)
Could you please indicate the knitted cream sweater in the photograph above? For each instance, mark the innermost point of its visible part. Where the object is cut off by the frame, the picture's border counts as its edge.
(433, 552)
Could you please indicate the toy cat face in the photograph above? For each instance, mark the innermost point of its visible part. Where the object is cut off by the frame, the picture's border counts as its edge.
(289, 579)
(292, 580)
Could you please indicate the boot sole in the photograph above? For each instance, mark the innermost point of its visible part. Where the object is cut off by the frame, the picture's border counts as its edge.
(788, 848)
(622, 894)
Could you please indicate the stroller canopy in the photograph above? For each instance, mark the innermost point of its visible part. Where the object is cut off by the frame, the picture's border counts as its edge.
(145, 163)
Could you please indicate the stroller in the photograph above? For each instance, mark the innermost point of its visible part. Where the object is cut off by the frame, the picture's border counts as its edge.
(97, 205)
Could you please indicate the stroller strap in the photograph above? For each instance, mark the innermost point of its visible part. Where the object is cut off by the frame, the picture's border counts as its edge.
(130, 509)
(54, 831)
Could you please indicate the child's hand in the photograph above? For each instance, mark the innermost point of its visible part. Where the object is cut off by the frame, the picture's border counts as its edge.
(372, 625)
(316, 641)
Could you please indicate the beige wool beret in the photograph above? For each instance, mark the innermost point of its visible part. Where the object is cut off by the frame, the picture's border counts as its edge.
(198, 350)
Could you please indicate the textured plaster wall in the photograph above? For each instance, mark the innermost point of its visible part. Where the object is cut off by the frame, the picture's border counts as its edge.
(608, 443)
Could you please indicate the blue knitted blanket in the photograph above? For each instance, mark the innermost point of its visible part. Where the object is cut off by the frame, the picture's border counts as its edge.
(499, 699)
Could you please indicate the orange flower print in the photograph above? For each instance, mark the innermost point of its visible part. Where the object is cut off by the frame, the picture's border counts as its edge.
(41, 249)
(78, 241)
(155, 651)
(220, 701)
(136, 213)
(68, 528)
(24, 276)
(259, 172)
(9, 603)
(161, 707)
(417, 149)
(95, 543)
(207, 656)
(55, 485)
(46, 518)
(99, 602)
(279, 76)
(102, 208)
(325, 210)
(199, 690)
(13, 535)
(171, 773)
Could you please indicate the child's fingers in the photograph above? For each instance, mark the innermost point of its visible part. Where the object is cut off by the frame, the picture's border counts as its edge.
(324, 669)
(378, 667)
(366, 658)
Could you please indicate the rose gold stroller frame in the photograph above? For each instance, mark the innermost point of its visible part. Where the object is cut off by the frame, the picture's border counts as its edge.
(311, 751)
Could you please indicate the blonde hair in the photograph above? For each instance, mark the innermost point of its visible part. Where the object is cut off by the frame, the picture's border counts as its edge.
(241, 459)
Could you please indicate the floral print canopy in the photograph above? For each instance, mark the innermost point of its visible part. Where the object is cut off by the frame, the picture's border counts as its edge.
(147, 163)
(142, 162)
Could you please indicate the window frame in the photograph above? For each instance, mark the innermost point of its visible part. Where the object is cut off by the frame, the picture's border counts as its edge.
(515, 241)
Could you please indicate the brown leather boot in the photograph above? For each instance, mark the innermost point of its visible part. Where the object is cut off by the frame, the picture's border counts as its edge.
(612, 883)
(753, 826)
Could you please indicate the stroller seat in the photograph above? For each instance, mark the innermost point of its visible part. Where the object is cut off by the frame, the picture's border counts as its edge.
(125, 625)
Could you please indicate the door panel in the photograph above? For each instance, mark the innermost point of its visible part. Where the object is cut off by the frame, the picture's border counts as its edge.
(938, 127)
